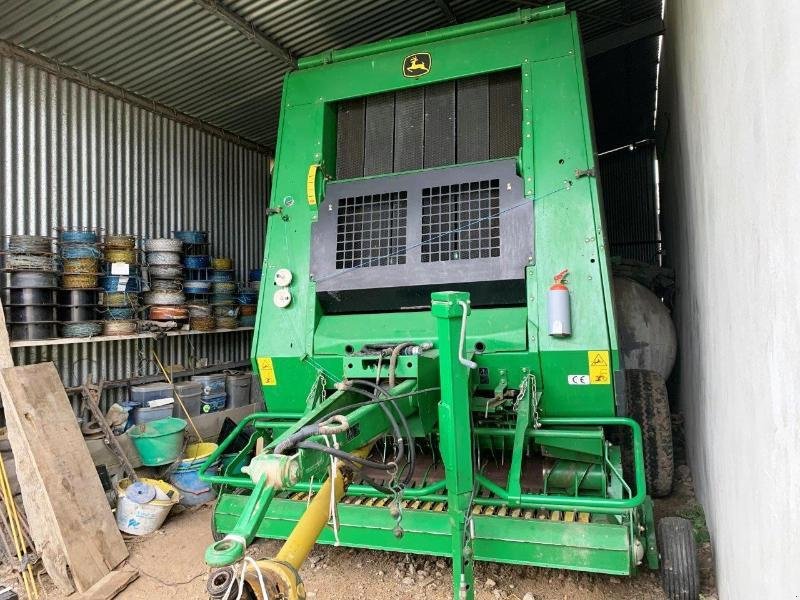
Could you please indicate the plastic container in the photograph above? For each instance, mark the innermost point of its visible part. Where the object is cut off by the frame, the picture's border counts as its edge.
(190, 392)
(213, 385)
(237, 386)
(209, 404)
(158, 442)
(142, 394)
(186, 478)
(145, 414)
(141, 519)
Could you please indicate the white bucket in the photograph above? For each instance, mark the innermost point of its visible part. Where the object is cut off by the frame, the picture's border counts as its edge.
(141, 519)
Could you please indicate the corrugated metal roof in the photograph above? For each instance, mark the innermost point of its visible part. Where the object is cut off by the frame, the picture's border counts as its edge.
(178, 53)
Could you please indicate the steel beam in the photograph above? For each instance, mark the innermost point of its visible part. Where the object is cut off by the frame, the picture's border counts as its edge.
(622, 37)
(249, 30)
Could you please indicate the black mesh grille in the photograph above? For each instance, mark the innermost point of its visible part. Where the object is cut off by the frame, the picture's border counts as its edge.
(461, 221)
(371, 230)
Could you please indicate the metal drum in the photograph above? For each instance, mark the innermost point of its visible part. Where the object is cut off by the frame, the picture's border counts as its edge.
(31, 314)
(77, 297)
(33, 331)
(33, 279)
(85, 312)
(30, 296)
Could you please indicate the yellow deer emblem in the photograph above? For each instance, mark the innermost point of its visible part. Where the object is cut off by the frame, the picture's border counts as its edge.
(417, 64)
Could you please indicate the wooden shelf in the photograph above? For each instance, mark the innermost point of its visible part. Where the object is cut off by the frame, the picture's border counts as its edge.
(116, 338)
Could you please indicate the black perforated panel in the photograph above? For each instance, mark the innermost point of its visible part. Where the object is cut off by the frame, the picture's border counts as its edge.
(371, 230)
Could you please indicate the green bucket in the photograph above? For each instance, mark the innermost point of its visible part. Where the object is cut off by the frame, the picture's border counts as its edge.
(158, 442)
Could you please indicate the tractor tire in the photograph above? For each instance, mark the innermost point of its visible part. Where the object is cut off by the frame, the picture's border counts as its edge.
(680, 575)
(648, 405)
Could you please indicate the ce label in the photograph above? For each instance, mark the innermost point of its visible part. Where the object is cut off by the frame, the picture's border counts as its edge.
(578, 379)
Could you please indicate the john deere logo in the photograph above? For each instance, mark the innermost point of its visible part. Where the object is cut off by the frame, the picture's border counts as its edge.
(417, 64)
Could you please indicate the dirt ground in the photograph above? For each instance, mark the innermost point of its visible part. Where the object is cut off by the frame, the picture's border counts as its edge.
(170, 563)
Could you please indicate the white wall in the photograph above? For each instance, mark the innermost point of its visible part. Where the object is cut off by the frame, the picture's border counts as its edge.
(729, 131)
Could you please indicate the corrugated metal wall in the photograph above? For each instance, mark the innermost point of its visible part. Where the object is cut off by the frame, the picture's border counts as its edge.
(629, 199)
(73, 156)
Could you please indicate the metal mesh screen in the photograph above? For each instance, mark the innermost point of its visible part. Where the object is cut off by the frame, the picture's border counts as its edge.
(371, 230)
(461, 221)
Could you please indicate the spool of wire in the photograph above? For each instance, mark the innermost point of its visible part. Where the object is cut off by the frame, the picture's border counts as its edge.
(113, 283)
(123, 242)
(30, 262)
(227, 322)
(202, 323)
(164, 298)
(223, 287)
(247, 321)
(223, 299)
(195, 286)
(80, 265)
(247, 297)
(77, 236)
(78, 281)
(163, 258)
(79, 251)
(119, 313)
(196, 261)
(168, 313)
(222, 263)
(30, 244)
(199, 310)
(121, 255)
(222, 276)
(247, 310)
(226, 310)
(163, 245)
(119, 327)
(166, 285)
(119, 299)
(192, 237)
(165, 271)
(81, 330)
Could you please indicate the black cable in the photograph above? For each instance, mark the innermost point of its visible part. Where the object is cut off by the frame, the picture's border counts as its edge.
(346, 456)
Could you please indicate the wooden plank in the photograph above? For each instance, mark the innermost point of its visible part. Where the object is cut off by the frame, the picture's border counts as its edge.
(58, 479)
(110, 585)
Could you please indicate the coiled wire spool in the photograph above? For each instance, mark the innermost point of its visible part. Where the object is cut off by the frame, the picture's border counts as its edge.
(30, 262)
(223, 287)
(79, 251)
(77, 236)
(222, 276)
(223, 299)
(81, 330)
(199, 310)
(247, 297)
(80, 265)
(119, 327)
(222, 263)
(116, 314)
(202, 323)
(124, 242)
(226, 310)
(247, 321)
(78, 281)
(119, 299)
(163, 258)
(196, 261)
(247, 310)
(197, 286)
(165, 271)
(30, 244)
(168, 313)
(163, 245)
(192, 237)
(121, 255)
(111, 283)
(164, 298)
(166, 285)
(227, 322)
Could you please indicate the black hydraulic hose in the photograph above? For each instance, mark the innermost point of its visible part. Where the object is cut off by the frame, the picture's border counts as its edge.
(346, 456)
(393, 361)
(298, 436)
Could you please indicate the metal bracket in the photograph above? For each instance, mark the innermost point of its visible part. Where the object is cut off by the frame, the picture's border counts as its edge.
(585, 173)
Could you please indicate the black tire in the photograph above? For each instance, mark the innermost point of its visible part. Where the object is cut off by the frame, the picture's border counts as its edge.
(648, 405)
(680, 574)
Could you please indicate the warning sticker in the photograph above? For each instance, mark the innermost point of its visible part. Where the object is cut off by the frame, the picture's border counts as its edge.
(267, 371)
(599, 367)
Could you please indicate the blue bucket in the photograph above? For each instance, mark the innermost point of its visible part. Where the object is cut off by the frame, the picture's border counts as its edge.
(194, 491)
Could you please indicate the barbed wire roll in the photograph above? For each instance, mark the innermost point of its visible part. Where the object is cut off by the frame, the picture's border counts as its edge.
(78, 281)
(165, 271)
(163, 258)
(119, 327)
(118, 313)
(222, 276)
(226, 310)
(247, 321)
(123, 242)
(30, 262)
(192, 237)
(120, 299)
(81, 330)
(163, 245)
(33, 244)
(79, 251)
(77, 236)
(197, 286)
(199, 310)
(111, 283)
(80, 265)
(196, 261)
(223, 287)
(246, 310)
(168, 313)
(227, 322)
(222, 299)
(164, 298)
(202, 323)
(222, 263)
(121, 255)
(166, 285)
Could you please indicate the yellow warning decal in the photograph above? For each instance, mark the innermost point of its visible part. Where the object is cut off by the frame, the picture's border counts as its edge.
(599, 367)
(267, 371)
(311, 186)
